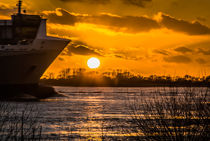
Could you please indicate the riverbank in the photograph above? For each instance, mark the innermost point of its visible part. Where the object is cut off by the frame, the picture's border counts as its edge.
(30, 93)
(122, 83)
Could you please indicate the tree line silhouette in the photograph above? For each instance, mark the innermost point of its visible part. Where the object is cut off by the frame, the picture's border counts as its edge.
(119, 77)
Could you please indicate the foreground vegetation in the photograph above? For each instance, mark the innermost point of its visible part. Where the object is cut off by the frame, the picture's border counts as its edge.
(16, 124)
(174, 115)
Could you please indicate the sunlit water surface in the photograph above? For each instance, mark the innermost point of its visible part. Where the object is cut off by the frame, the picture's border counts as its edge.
(88, 112)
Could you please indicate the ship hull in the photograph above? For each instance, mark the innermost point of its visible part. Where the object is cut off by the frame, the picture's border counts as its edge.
(26, 68)
(25, 91)
(25, 53)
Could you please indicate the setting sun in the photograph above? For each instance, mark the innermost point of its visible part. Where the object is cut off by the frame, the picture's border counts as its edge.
(93, 63)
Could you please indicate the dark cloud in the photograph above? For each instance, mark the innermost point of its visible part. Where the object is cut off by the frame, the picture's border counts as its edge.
(202, 19)
(61, 16)
(204, 52)
(127, 23)
(119, 56)
(184, 26)
(60, 59)
(178, 59)
(5, 9)
(183, 49)
(81, 49)
(163, 52)
(201, 61)
(122, 56)
(89, 1)
(127, 55)
(130, 24)
(140, 3)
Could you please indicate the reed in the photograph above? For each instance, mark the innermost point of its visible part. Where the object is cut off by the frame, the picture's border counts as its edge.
(16, 124)
(172, 114)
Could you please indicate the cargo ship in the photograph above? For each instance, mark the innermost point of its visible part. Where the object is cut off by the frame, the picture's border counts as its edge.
(25, 49)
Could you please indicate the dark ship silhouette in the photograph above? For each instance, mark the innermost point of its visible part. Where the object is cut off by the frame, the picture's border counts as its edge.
(25, 51)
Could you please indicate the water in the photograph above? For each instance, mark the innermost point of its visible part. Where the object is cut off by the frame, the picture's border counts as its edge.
(87, 112)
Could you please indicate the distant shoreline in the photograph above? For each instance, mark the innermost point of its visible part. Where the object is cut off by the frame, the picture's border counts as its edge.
(72, 83)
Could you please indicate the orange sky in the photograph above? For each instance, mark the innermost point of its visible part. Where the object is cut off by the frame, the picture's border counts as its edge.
(146, 36)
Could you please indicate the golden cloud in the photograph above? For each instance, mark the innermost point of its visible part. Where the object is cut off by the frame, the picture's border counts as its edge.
(129, 24)
(178, 59)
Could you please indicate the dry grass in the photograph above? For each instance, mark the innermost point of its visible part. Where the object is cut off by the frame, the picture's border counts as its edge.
(175, 115)
(16, 124)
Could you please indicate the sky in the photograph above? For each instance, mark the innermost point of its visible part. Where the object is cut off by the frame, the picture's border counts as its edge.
(159, 37)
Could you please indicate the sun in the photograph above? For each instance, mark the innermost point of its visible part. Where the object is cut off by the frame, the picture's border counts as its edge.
(93, 63)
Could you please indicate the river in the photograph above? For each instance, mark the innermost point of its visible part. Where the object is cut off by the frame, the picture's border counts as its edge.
(88, 112)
